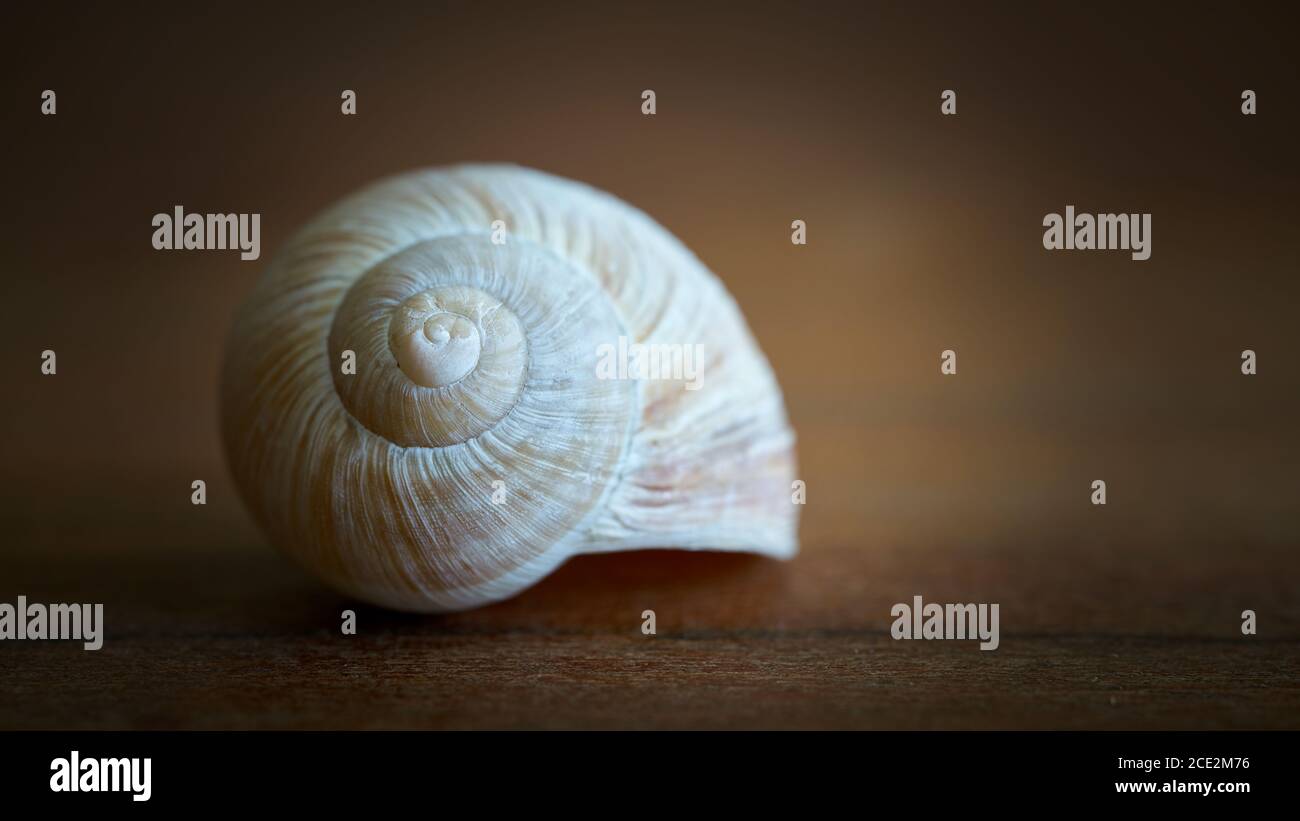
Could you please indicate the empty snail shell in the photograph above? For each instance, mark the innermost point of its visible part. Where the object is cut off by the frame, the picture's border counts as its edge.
(476, 443)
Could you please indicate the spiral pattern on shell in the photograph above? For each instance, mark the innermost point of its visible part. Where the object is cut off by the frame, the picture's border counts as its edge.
(475, 447)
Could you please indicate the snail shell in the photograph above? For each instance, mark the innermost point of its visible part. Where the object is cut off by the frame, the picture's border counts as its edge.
(476, 446)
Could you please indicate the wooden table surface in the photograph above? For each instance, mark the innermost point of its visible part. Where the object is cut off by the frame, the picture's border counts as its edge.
(210, 628)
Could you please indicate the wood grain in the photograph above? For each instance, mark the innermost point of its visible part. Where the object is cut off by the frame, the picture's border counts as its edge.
(223, 633)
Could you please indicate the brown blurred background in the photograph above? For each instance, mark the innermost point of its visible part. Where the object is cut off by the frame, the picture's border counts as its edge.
(924, 233)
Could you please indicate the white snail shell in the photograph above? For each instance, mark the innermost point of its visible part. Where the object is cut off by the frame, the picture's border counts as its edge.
(475, 448)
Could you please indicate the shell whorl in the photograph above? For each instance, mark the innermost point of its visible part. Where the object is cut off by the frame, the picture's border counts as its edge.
(475, 447)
